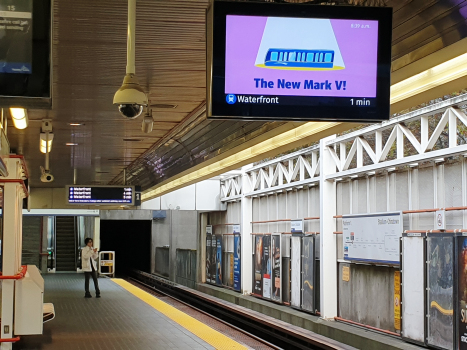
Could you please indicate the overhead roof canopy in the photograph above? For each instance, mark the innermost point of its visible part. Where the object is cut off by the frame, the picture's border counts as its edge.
(89, 58)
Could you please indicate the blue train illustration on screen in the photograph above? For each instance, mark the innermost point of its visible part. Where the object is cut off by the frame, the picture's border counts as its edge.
(294, 58)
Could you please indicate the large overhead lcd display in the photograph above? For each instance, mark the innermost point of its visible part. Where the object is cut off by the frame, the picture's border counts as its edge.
(25, 53)
(298, 62)
(98, 195)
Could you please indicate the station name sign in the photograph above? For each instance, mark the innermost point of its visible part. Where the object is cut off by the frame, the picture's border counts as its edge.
(100, 195)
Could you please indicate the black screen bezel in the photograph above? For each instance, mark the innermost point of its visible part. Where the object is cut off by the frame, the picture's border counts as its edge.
(217, 108)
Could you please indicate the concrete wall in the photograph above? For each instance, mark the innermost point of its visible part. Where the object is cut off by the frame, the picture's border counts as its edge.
(179, 230)
(203, 196)
(368, 297)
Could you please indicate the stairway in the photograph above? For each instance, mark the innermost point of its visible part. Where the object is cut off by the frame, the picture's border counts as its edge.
(65, 246)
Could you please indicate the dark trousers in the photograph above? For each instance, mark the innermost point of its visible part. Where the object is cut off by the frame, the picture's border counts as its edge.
(93, 273)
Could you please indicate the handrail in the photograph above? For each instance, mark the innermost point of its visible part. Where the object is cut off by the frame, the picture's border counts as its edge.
(23, 161)
(418, 211)
(18, 276)
(9, 340)
(26, 192)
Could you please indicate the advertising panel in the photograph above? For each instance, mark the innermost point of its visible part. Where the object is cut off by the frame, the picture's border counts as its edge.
(237, 262)
(462, 293)
(373, 237)
(276, 271)
(219, 259)
(339, 64)
(440, 325)
(295, 261)
(208, 258)
(258, 260)
(308, 282)
(266, 267)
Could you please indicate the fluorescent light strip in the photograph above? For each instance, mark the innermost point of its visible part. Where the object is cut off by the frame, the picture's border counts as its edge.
(438, 75)
(219, 167)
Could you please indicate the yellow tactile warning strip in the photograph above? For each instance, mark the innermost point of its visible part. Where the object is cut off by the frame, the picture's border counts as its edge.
(209, 335)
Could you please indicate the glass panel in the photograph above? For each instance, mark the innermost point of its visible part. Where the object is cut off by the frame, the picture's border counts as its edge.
(274, 56)
(440, 292)
(281, 56)
(328, 57)
(292, 56)
(310, 57)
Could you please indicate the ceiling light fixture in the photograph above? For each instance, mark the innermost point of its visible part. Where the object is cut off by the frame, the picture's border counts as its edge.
(44, 141)
(429, 79)
(71, 144)
(20, 117)
(76, 124)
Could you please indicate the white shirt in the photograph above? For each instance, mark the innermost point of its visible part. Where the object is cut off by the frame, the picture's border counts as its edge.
(88, 255)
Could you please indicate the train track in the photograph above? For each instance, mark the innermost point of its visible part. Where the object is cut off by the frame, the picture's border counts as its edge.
(273, 333)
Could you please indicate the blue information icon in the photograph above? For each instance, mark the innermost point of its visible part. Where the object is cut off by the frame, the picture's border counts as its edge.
(231, 99)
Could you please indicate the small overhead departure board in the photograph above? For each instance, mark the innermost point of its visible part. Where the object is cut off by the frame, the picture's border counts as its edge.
(99, 195)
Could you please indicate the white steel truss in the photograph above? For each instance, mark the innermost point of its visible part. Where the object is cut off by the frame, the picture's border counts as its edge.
(449, 125)
(365, 151)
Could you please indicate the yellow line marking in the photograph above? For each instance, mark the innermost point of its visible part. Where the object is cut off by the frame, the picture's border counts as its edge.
(209, 335)
(443, 311)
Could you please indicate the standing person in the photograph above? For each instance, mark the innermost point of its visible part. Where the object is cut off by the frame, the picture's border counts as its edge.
(88, 256)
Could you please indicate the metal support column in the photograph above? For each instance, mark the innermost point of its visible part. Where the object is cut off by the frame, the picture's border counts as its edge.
(328, 241)
(246, 229)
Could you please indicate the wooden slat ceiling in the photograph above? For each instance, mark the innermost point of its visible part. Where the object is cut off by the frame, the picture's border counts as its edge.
(89, 58)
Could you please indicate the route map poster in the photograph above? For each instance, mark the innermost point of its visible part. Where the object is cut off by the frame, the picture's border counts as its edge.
(16, 36)
(373, 237)
(208, 258)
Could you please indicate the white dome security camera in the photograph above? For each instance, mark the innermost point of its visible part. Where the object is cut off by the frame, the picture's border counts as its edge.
(130, 98)
(47, 177)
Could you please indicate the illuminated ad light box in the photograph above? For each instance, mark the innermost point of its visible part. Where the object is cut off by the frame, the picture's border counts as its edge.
(100, 195)
(270, 61)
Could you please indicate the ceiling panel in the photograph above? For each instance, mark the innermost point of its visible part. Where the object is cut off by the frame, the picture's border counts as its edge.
(89, 59)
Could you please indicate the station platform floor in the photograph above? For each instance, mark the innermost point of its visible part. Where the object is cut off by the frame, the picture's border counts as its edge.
(123, 318)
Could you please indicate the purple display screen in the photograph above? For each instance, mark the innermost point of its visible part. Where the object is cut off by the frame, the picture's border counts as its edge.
(280, 62)
(301, 56)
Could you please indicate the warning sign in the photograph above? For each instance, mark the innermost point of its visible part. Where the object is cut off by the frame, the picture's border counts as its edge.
(346, 273)
(397, 300)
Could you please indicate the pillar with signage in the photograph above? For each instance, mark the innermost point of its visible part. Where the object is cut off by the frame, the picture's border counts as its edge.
(237, 278)
(296, 263)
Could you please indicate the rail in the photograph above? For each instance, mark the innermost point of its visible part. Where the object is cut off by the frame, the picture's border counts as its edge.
(18, 276)
(278, 332)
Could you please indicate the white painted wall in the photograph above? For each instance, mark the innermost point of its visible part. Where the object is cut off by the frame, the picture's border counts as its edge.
(204, 196)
